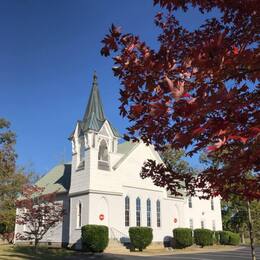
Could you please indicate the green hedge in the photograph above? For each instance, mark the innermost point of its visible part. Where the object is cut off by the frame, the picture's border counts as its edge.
(224, 237)
(182, 237)
(234, 239)
(140, 237)
(203, 237)
(229, 238)
(94, 238)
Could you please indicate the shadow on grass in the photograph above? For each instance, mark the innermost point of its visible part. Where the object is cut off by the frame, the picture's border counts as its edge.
(44, 253)
(26, 252)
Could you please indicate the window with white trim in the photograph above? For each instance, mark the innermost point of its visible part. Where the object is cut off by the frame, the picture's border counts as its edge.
(79, 215)
(103, 151)
(127, 211)
(191, 223)
(148, 212)
(190, 202)
(212, 204)
(213, 225)
(158, 213)
(202, 224)
(138, 212)
(82, 150)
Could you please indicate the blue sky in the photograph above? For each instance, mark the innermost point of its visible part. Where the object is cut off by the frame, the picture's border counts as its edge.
(48, 52)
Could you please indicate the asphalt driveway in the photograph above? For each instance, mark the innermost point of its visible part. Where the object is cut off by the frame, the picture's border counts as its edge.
(240, 254)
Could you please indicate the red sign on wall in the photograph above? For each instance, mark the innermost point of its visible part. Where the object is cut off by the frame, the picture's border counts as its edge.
(101, 217)
(175, 220)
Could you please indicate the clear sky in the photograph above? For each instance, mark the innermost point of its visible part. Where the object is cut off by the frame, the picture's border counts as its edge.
(48, 52)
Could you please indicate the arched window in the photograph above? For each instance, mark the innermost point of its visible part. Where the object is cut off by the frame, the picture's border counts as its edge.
(191, 223)
(138, 212)
(213, 225)
(202, 224)
(212, 203)
(79, 213)
(127, 211)
(103, 151)
(190, 202)
(82, 150)
(148, 211)
(158, 213)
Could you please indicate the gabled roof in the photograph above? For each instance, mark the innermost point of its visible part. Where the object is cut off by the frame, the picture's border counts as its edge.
(57, 179)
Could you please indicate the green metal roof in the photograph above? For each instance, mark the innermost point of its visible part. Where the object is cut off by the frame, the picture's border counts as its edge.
(125, 147)
(57, 179)
(94, 116)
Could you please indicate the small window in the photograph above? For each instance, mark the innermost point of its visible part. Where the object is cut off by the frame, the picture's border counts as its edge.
(190, 202)
(212, 203)
(127, 211)
(148, 208)
(213, 225)
(202, 224)
(103, 151)
(191, 223)
(82, 150)
(158, 213)
(79, 213)
(138, 212)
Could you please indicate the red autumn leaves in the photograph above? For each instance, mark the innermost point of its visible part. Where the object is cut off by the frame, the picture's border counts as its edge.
(199, 91)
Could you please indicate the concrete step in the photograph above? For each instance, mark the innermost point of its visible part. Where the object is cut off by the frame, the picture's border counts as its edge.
(115, 246)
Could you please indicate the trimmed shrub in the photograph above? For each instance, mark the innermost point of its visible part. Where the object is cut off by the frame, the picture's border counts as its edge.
(94, 238)
(182, 237)
(224, 237)
(229, 238)
(140, 237)
(234, 239)
(203, 237)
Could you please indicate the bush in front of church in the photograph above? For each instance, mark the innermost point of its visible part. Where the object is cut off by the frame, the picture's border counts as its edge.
(229, 238)
(182, 237)
(203, 237)
(94, 238)
(140, 237)
(234, 239)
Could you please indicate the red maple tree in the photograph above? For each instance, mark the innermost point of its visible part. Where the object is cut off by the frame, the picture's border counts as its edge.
(39, 212)
(198, 91)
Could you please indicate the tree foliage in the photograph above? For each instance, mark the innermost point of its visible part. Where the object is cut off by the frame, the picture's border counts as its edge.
(39, 212)
(11, 179)
(199, 92)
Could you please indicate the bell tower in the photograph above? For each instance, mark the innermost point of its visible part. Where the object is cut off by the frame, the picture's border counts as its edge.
(94, 141)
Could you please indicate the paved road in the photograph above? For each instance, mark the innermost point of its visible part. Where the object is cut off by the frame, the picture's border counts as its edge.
(241, 254)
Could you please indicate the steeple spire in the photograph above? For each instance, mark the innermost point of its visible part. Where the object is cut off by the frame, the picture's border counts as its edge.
(94, 116)
(94, 107)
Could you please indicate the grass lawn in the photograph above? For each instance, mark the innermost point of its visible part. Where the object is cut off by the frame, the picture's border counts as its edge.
(21, 253)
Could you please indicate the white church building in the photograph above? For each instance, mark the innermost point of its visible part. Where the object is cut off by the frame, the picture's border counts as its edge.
(102, 185)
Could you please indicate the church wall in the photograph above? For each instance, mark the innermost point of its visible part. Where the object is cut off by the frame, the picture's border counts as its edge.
(80, 178)
(201, 211)
(75, 230)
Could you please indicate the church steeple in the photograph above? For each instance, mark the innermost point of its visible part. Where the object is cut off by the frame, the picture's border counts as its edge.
(94, 116)
(95, 107)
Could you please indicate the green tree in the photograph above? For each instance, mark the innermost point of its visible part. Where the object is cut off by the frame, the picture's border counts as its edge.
(11, 179)
(173, 159)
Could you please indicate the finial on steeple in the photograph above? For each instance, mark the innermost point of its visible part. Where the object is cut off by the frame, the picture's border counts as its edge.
(95, 78)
